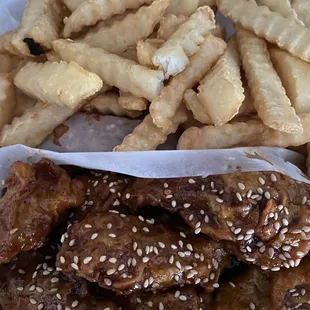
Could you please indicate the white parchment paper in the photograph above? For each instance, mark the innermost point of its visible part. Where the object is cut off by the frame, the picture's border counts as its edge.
(157, 164)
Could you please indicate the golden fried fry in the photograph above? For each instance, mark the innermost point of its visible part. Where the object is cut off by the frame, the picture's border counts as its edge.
(107, 104)
(23, 104)
(210, 3)
(191, 122)
(146, 50)
(295, 76)
(6, 45)
(130, 54)
(134, 27)
(302, 8)
(131, 102)
(125, 74)
(164, 107)
(249, 133)
(172, 57)
(247, 106)
(34, 125)
(72, 5)
(40, 26)
(90, 12)
(7, 100)
(283, 7)
(193, 104)
(219, 31)
(53, 56)
(221, 91)
(270, 25)
(270, 100)
(183, 7)
(147, 136)
(169, 25)
(62, 84)
(9, 63)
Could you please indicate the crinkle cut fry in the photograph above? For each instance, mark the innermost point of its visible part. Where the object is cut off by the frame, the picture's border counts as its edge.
(146, 50)
(302, 7)
(131, 102)
(107, 104)
(40, 26)
(147, 136)
(221, 92)
(250, 133)
(259, 214)
(119, 258)
(295, 77)
(169, 24)
(283, 7)
(164, 107)
(72, 5)
(90, 12)
(125, 33)
(270, 25)
(116, 71)
(270, 99)
(172, 57)
(34, 125)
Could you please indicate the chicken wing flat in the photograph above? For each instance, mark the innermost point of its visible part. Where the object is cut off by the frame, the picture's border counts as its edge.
(35, 196)
(129, 253)
(181, 298)
(249, 290)
(31, 282)
(290, 288)
(263, 216)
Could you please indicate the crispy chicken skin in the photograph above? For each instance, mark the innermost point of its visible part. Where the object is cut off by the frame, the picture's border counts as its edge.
(260, 214)
(36, 195)
(129, 253)
(181, 298)
(249, 290)
(290, 288)
(31, 281)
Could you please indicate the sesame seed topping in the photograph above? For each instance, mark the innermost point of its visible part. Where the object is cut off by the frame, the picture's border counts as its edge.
(139, 252)
(161, 306)
(178, 264)
(40, 306)
(219, 200)
(107, 282)
(306, 229)
(191, 181)
(13, 231)
(75, 304)
(232, 284)
(186, 205)
(75, 266)
(273, 178)
(87, 260)
(58, 296)
(71, 243)
(264, 267)
(145, 259)
(111, 271)
(261, 181)
(271, 252)
(197, 231)
(277, 225)
(216, 285)
(112, 235)
(183, 298)
(260, 190)
(267, 195)
(33, 301)
(252, 306)
(173, 203)
(145, 229)
(275, 269)
(230, 224)
(237, 231)
(300, 254)
(55, 280)
(304, 200)
(59, 307)
(20, 289)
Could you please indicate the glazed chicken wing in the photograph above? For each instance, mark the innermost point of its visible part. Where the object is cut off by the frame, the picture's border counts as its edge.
(35, 196)
(264, 216)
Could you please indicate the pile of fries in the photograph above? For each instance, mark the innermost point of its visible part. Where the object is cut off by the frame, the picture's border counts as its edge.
(165, 61)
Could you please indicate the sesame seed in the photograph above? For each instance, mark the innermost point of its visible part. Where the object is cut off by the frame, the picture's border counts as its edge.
(282, 257)
(58, 296)
(33, 301)
(166, 185)
(169, 196)
(216, 285)
(13, 231)
(121, 267)
(76, 259)
(304, 200)
(197, 224)
(300, 254)
(55, 280)
(306, 229)
(292, 263)
(186, 205)
(190, 218)
(75, 304)
(34, 274)
(62, 259)
(277, 225)
(71, 243)
(275, 269)
(139, 252)
(145, 229)
(162, 245)
(264, 267)
(285, 222)
(75, 266)
(261, 181)
(273, 178)
(107, 282)
(250, 259)
(252, 306)
(260, 190)
(230, 224)
(59, 307)
(271, 252)
(150, 303)
(134, 262)
(197, 231)
(182, 234)
(145, 259)
(191, 181)
(219, 200)
(286, 248)
(161, 306)
(134, 229)
(178, 264)
(146, 283)
(267, 195)
(241, 186)
(112, 235)
(40, 306)
(237, 231)
(109, 226)
(171, 259)
(284, 231)
(183, 298)
(232, 284)
(240, 237)
(20, 289)
(39, 289)
(111, 271)
(32, 288)
(87, 260)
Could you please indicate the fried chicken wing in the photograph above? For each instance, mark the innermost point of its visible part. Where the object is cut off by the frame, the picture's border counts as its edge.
(249, 290)
(129, 253)
(290, 288)
(36, 195)
(32, 282)
(263, 216)
(181, 298)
